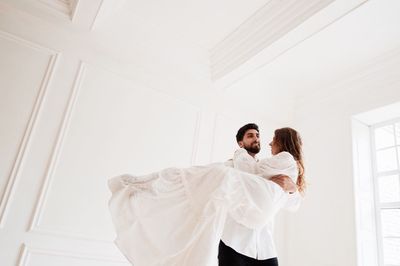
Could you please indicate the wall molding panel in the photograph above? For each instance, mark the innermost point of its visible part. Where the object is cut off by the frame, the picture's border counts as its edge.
(195, 145)
(105, 9)
(28, 252)
(13, 177)
(35, 46)
(36, 224)
(54, 158)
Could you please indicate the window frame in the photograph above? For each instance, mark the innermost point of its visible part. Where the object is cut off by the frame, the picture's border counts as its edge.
(376, 175)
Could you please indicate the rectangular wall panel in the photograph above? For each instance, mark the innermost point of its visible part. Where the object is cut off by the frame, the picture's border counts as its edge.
(111, 127)
(38, 257)
(25, 70)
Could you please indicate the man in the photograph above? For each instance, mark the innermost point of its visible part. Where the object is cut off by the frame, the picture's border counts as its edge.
(244, 246)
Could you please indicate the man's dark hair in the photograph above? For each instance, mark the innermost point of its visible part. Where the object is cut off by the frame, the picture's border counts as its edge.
(243, 129)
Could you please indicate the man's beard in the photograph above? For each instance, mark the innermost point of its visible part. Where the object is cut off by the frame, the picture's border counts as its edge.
(252, 148)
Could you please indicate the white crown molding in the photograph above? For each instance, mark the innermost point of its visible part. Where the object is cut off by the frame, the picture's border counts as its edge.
(309, 28)
(49, 175)
(267, 25)
(13, 178)
(65, 8)
(105, 9)
(97, 15)
(27, 252)
(74, 5)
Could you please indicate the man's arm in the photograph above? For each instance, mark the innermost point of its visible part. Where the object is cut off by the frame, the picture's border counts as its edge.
(285, 182)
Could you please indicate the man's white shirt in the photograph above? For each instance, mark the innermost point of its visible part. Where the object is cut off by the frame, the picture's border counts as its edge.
(259, 243)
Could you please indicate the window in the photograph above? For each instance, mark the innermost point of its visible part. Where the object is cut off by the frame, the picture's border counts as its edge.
(385, 138)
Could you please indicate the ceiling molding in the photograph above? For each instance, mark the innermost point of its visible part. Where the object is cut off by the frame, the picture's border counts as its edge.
(105, 10)
(65, 8)
(224, 76)
(267, 25)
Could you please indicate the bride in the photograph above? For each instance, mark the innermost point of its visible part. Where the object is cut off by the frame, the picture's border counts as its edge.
(177, 216)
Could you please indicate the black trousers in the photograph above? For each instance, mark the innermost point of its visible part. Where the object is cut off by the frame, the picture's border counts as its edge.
(227, 256)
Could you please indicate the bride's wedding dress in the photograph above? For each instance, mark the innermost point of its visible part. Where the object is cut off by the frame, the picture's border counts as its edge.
(176, 216)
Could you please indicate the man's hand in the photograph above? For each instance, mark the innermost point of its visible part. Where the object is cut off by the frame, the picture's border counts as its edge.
(285, 183)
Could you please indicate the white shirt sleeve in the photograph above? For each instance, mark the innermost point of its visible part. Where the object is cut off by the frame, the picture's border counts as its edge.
(282, 163)
(262, 198)
(243, 161)
(229, 163)
(253, 201)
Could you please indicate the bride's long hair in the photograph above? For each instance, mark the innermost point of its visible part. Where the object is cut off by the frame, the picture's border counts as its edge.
(290, 141)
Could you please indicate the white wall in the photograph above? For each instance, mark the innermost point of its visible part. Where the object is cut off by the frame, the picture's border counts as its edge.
(74, 111)
(323, 231)
(67, 126)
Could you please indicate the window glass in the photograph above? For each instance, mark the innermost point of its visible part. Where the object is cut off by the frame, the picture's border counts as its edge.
(391, 251)
(389, 188)
(397, 133)
(390, 222)
(386, 160)
(384, 137)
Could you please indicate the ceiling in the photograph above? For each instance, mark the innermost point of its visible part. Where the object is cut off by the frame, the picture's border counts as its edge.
(280, 77)
(201, 23)
(273, 49)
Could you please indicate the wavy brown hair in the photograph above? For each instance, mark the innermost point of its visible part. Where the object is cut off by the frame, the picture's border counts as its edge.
(290, 141)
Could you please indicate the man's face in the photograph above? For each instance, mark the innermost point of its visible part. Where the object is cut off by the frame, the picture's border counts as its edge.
(251, 141)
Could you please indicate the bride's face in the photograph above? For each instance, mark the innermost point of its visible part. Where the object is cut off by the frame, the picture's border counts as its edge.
(275, 149)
